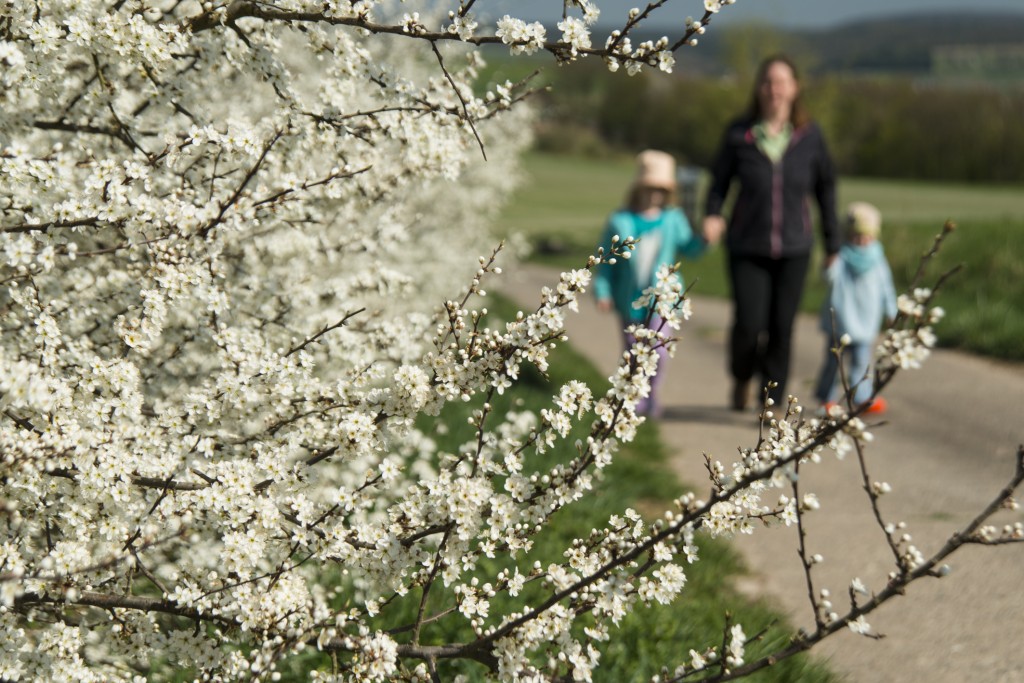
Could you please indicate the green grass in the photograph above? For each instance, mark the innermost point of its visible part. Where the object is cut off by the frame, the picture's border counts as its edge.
(563, 207)
(566, 201)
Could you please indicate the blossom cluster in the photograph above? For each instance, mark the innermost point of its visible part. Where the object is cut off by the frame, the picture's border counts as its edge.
(908, 344)
(524, 38)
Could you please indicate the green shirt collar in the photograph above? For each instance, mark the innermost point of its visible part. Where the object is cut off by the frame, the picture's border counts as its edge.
(773, 145)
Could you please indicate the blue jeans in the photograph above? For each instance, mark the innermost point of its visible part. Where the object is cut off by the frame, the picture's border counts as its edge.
(858, 373)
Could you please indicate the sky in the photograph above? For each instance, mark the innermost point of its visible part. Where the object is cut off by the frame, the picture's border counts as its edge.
(789, 13)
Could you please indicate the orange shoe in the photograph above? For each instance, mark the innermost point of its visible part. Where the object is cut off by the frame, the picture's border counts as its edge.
(877, 407)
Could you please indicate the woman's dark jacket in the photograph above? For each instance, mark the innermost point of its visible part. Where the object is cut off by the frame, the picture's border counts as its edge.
(772, 214)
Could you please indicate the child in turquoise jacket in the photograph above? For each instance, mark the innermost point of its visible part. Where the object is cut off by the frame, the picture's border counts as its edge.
(664, 234)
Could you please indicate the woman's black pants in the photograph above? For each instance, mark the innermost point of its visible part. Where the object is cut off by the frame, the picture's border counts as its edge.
(766, 297)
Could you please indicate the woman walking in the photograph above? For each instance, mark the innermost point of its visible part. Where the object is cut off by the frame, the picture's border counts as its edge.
(777, 155)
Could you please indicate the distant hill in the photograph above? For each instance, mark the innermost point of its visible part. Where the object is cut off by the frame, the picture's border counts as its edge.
(903, 43)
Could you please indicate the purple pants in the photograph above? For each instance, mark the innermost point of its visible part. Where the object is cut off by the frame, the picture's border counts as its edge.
(649, 406)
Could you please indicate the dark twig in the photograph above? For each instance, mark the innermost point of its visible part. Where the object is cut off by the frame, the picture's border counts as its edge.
(465, 111)
(325, 330)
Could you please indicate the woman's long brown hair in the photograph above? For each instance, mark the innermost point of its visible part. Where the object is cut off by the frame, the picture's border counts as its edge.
(798, 114)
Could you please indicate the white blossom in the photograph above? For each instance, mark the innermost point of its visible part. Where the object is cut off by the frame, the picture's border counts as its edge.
(860, 626)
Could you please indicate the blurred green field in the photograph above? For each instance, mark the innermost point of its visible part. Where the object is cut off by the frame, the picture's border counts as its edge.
(562, 207)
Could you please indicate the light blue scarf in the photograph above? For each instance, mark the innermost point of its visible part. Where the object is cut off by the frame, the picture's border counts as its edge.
(862, 259)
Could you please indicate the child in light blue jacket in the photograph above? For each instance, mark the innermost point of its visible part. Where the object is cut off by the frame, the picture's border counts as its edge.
(664, 235)
(861, 297)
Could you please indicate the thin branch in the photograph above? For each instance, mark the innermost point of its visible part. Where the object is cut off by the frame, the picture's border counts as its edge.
(325, 330)
(947, 230)
(634, 21)
(309, 185)
(241, 186)
(802, 551)
(22, 422)
(169, 484)
(873, 498)
(44, 227)
(132, 602)
(685, 39)
(896, 587)
(427, 585)
(67, 127)
(246, 8)
(465, 111)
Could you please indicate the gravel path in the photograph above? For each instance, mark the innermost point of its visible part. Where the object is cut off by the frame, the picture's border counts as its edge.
(948, 448)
